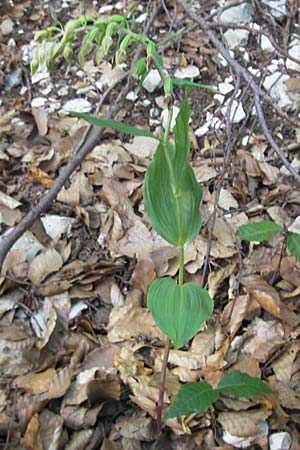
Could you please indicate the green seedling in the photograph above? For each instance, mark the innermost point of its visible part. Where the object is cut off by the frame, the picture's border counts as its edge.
(172, 198)
(262, 231)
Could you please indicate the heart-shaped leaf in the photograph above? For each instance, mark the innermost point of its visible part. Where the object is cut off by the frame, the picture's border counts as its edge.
(293, 245)
(258, 231)
(192, 398)
(179, 311)
(242, 385)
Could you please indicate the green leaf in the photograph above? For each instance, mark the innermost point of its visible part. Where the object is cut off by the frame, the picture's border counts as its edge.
(293, 245)
(242, 385)
(115, 124)
(260, 231)
(173, 210)
(179, 82)
(178, 311)
(192, 398)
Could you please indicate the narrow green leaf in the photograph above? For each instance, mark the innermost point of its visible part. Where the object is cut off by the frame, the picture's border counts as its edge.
(179, 82)
(260, 231)
(242, 385)
(192, 398)
(178, 311)
(115, 124)
(293, 245)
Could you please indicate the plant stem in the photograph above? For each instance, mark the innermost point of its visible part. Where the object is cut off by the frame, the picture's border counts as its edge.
(161, 388)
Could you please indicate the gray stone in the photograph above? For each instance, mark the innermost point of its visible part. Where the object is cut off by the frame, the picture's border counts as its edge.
(277, 8)
(152, 81)
(78, 105)
(275, 85)
(237, 113)
(187, 72)
(294, 51)
(280, 441)
(237, 14)
(13, 78)
(236, 38)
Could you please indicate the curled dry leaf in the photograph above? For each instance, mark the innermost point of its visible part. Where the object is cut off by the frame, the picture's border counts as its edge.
(43, 322)
(130, 322)
(234, 313)
(41, 120)
(79, 440)
(43, 265)
(59, 384)
(243, 423)
(32, 439)
(35, 383)
(264, 294)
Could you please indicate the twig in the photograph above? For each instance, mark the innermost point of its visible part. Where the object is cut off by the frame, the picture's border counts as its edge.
(241, 71)
(91, 139)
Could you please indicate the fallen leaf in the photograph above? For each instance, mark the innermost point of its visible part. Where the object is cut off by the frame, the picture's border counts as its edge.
(38, 175)
(43, 265)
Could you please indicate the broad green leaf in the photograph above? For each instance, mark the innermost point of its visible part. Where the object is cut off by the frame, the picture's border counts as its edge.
(260, 231)
(176, 217)
(293, 245)
(110, 123)
(192, 398)
(173, 208)
(242, 385)
(178, 311)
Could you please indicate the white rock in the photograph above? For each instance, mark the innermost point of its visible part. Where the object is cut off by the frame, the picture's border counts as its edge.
(105, 9)
(219, 98)
(246, 57)
(202, 130)
(225, 88)
(236, 38)
(273, 67)
(38, 102)
(237, 14)
(255, 72)
(85, 90)
(164, 117)
(277, 8)
(141, 18)
(41, 74)
(77, 105)
(146, 103)
(294, 51)
(237, 113)
(131, 96)
(187, 72)
(266, 44)
(275, 85)
(63, 90)
(152, 81)
(280, 441)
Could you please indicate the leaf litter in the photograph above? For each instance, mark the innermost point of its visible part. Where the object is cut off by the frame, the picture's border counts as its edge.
(80, 354)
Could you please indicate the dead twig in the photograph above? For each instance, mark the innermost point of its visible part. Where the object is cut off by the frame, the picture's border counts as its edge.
(241, 71)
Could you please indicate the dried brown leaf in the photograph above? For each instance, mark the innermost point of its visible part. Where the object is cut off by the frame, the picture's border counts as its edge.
(43, 265)
(243, 423)
(264, 294)
(32, 439)
(35, 383)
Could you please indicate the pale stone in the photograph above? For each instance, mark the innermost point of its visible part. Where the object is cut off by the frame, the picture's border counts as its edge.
(187, 72)
(294, 51)
(237, 14)
(280, 441)
(236, 38)
(152, 81)
(77, 105)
